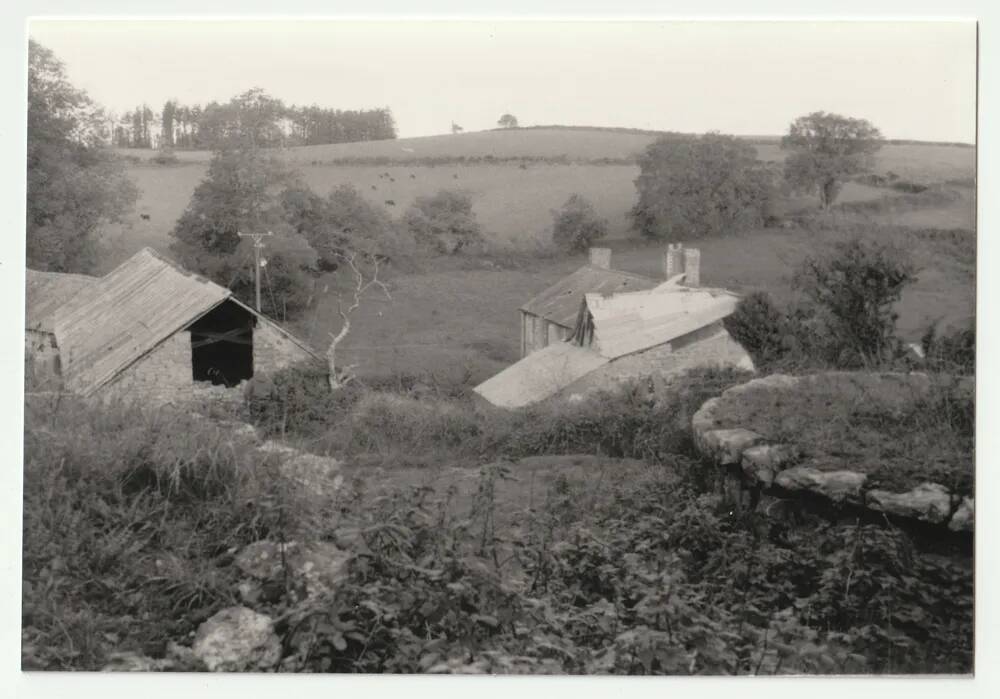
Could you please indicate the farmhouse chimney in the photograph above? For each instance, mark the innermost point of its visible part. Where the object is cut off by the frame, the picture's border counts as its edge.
(600, 257)
(673, 261)
(692, 266)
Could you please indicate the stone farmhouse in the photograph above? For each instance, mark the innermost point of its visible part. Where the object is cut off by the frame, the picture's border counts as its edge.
(616, 335)
(148, 330)
(549, 317)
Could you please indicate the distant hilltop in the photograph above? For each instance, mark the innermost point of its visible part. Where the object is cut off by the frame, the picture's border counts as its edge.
(755, 138)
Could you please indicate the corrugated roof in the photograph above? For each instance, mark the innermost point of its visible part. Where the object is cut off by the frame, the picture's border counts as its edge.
(45, 292)
(125, 315)
(561, 301)
(539, 375)
(632, 322)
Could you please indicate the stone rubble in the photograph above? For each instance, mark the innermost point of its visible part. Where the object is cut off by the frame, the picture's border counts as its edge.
(237, 639)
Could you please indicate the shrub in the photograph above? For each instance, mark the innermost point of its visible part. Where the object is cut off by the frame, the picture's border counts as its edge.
(165, 156)
(576, 225)
(444, 221)
(694, 187)
(953, 352)
(295, 400)
(761, 328)
(855, 287)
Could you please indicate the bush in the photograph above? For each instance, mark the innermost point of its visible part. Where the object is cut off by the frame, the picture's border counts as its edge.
(854, 287)
(165, 156)
(761, 328)
(444, 221)
(694, 187)
(576, 225)
(295, 400)
(953, 352)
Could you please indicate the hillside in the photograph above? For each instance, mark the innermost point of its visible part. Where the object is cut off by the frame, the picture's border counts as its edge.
(513, 199)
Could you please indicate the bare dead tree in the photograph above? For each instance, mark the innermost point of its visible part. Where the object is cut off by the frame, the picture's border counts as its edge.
(361, 285)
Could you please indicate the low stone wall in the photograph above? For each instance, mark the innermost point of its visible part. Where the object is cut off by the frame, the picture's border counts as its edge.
(753, 463)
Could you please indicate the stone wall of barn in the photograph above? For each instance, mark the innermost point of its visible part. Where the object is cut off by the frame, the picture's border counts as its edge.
(273, 350)
(41, 365)
(162, 376)
(708, 346)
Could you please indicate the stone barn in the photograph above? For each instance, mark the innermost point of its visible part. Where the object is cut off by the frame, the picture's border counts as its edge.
(45, 293)
(659, 332)
(549, 317)
(150, 330)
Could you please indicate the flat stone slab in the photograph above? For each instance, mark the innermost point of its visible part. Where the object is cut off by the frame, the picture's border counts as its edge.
(838, 486)
(727, 446)
(964, 518)
(762, 462)
(928, 502)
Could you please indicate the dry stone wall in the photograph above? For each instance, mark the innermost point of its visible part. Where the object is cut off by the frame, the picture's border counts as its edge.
(756, 464)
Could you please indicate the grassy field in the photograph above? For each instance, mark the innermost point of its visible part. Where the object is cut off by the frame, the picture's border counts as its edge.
(512, 200)
(458, 317)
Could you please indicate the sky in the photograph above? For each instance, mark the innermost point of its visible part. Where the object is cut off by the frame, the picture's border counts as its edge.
(914, 80)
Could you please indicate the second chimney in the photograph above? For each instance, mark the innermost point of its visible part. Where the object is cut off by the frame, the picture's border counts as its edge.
(673, 261)
(600, 257)
(692, 267)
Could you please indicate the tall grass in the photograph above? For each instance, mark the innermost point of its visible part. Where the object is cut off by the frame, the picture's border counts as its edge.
(127, 513)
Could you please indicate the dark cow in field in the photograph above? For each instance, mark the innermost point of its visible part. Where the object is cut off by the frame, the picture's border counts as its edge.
(390, 202)
(144, 217)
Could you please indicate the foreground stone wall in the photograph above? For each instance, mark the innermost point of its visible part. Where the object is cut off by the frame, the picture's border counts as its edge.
(752, 463)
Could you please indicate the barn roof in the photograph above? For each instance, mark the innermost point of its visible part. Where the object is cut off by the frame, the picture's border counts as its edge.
(561, 301)
(47, 291)
(127, 313)
(633, 322)
(623, 324)
(540, 375)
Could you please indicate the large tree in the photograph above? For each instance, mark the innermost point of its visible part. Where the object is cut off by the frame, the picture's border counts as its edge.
(825, 149)
(697, 186)
(240, 194)
(74, 183)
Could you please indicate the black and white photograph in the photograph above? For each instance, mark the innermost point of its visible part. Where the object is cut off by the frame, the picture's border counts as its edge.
(514, 347)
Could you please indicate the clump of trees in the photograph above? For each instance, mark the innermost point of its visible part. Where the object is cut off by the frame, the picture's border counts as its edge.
(825, 150)
(203, 127)
(507, 121)
(697, 186)
(74, 184)
(576, 225)
(444, 221)
(343, 221)
(846, 318)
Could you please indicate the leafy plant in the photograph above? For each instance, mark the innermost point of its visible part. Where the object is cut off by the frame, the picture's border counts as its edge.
(576, 226)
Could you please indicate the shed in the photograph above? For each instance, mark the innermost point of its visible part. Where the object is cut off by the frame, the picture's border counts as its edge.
(152, 329)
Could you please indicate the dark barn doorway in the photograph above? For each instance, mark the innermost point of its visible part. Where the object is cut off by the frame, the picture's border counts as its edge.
(222, 345)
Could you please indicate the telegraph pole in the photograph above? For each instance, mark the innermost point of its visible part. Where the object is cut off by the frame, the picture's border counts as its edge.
(258, 245)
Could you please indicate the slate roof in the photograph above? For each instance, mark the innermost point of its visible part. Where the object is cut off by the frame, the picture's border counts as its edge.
(124, 315)
(561, 301)
(46, 291)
